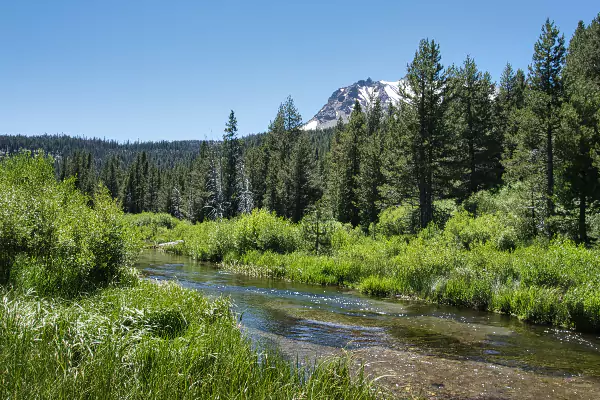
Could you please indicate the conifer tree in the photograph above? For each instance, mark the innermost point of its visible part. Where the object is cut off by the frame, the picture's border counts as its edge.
(346, 166)
(370, 177)
(231, 154)
(533, 161)
(281, 192)
(423, 91)
(256, 170)
(198, 187)
(508, 102)
(112, 175)
(477, 150)
(302, 165)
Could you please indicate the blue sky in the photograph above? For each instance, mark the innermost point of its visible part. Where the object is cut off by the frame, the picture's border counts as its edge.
(168, 70)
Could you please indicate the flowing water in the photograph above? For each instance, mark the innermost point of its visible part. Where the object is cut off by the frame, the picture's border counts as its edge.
(437, 351)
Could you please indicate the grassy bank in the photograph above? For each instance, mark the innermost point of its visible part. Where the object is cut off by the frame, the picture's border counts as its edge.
(77, 323)
(148, 341)
(473, 262)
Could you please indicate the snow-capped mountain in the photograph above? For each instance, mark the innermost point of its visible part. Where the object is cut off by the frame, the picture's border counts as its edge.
(341, 102)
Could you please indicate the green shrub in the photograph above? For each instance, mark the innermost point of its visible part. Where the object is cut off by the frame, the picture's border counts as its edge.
(512, 204)
(443, 210)
(467, 231)
(53, 242)
(399, 220)
(262, 230)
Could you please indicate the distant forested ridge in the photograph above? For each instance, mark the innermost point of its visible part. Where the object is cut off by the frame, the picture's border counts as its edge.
(527, 144)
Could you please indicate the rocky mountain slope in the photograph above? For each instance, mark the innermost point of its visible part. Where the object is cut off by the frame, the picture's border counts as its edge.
(341, 102)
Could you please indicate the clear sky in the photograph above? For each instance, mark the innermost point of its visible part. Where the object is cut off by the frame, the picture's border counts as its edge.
(168, 70)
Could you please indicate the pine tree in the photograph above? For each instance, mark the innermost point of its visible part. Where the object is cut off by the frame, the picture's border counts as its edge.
(423, 90)
(333, 173)
(508, 102)
(231, 155)
(275, 157)
(302, 165)
(214, 202)
(532, 162)
(476, 153)
(398, 168)
(346, 168)
(256, 169)
(283, 134)
(370, 177)
(199, 176)
(112, 175)
(545, 74)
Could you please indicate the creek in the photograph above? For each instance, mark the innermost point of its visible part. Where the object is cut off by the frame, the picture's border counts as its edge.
(432, 350)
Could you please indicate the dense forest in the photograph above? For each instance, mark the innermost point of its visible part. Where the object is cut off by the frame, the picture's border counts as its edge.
(529, 140)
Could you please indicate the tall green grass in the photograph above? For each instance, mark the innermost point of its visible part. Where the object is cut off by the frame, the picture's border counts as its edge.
(478, 262)
(150, 342)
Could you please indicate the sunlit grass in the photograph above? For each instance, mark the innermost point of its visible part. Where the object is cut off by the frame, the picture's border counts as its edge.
(150, 341)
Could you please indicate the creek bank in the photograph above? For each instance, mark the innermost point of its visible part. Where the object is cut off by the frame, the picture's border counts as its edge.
(413, 348)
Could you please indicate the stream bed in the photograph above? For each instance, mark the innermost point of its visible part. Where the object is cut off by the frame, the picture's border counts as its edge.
(414, 348)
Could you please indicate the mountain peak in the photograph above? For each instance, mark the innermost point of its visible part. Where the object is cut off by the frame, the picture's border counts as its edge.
(341, 102)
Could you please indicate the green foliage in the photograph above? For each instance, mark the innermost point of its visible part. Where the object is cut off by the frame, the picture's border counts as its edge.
(52, 241)
(344, 168)
(467, 231)
(150, 341)
(476, 149)
(399, 220)
(260, 230)
(231, 158)
(156, 228)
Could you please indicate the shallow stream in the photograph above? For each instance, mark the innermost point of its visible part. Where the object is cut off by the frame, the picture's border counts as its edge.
(422, 347)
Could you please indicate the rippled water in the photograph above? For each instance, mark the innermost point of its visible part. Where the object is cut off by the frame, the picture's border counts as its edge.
(338, 318)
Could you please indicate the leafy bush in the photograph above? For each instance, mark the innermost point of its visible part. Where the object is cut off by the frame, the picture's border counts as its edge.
(467, 231)
(399, 220)
(443, 210)
(512, 204)
(53, 242)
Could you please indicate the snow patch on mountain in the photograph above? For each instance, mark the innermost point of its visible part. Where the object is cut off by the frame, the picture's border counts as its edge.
(341, 102)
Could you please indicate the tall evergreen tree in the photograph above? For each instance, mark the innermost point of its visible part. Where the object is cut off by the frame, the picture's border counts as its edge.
(112, 175)
(424, 89)
(533, 161)
(255, 162)
(281, 191)
(346, 168)
(547, 93)
(198, 187)
(231, 155)
(508, 102)
(370, 177)
(477, 149)
(302, 166)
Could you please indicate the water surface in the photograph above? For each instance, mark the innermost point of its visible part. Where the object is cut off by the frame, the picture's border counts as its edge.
(312, 319)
